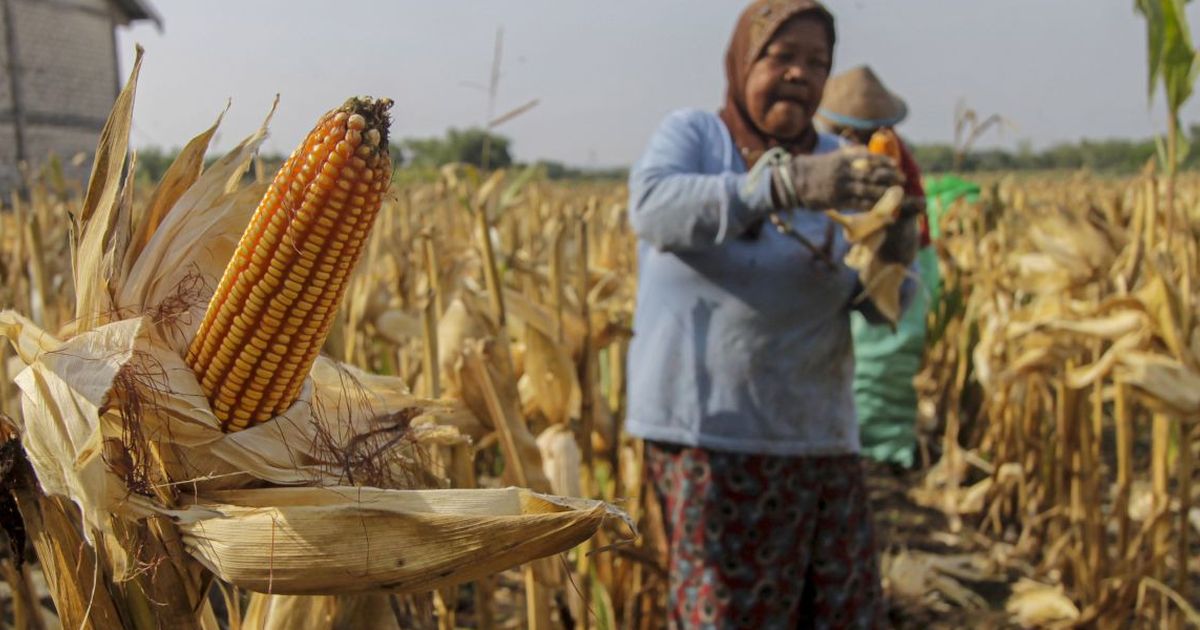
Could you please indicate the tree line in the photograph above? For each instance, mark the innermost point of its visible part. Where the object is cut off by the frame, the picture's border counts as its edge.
(491, 150)
(1116, 156)
(471, 146)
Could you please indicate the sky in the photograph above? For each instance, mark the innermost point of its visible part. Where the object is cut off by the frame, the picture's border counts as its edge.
(606, 72)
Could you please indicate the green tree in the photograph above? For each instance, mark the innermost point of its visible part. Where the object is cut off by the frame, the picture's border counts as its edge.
(472, 146)
(397, 154)
(934, 158)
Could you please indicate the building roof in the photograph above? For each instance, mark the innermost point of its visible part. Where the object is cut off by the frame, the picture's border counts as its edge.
(135, 10)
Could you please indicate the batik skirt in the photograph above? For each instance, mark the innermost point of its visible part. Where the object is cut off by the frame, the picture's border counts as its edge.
(762, 541)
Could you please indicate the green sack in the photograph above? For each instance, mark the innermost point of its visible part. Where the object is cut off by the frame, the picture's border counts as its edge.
(886, 361)
(941, 193)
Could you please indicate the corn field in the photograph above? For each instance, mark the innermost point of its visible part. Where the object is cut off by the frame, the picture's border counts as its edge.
(487, 320)
(1062, 375)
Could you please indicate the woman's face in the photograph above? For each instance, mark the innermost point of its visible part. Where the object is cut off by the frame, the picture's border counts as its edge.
(785, 84)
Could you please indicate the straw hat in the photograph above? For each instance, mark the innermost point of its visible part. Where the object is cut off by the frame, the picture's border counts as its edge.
(858, 99)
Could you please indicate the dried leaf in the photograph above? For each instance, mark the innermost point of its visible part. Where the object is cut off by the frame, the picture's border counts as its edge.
(97, 218)
(561, 460)
(179, 177)
(197, 237)
(865, 231)
(319, 612)
(1164, 380)
(488, 370)
(353, 540)
(554, 386)
(399, 327)
(1034, 605)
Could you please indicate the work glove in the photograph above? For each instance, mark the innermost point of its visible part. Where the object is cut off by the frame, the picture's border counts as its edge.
(849, 180)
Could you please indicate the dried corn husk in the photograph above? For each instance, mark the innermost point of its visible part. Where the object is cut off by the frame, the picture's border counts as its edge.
(461, 325)
(320, 612)
(549, 386)
(561, 460)
(486, 370)
(63, 391)
(1034, 605)
(866, 232)
(914, 577)
(298, 540)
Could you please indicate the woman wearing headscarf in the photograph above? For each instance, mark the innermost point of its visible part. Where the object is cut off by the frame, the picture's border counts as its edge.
(741, 366)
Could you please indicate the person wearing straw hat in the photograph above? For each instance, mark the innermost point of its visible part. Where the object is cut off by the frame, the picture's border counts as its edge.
(741, 364)
(856, 105)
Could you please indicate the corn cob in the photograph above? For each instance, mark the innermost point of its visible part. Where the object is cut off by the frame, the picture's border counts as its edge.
(885, 142)
(273, 308)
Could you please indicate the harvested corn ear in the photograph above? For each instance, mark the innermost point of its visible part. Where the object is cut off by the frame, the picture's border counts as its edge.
(277, 299)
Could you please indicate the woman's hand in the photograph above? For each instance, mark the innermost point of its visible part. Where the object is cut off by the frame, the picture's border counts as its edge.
(851, 179)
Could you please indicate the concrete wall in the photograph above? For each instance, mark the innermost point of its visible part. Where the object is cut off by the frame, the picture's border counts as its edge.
(68, 81)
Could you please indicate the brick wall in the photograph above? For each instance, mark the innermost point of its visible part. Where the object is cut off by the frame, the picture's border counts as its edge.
(68, 81)
(5, 93)
(8, 149)
(8, 167)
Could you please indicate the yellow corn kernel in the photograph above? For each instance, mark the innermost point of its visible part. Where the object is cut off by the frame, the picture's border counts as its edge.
(299, 249)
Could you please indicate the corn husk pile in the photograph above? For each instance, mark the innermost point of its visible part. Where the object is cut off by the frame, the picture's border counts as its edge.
(312, 501)
(1066, 366)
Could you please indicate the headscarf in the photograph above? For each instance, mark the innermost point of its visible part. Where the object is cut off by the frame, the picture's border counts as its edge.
(755, 27)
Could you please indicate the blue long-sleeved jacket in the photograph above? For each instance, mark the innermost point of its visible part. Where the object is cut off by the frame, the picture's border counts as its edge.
(739, 344)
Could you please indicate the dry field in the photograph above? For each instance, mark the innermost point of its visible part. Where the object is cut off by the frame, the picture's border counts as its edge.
(487, 322)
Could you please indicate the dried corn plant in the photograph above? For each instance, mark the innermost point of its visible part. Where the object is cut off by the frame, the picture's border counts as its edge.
(1066, 370)
(481, 344)
(515, 296)
(190, 449)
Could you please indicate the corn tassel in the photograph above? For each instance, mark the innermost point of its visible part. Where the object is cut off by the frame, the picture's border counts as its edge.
(278, 297)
